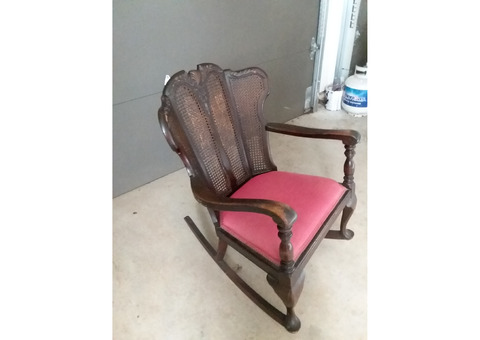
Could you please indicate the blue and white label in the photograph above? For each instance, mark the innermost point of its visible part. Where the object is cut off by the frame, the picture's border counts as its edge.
(355, 97)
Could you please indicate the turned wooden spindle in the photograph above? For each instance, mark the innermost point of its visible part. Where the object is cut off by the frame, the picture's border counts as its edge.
(349, 167)
(286, 249)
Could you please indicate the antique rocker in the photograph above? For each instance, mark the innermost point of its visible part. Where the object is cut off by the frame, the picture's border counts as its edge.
(213, 119)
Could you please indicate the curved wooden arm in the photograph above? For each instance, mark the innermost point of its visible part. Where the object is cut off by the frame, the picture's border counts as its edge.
(282, 214)
(348, 137)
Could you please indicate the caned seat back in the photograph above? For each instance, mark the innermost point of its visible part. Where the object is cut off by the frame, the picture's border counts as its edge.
(213, 119)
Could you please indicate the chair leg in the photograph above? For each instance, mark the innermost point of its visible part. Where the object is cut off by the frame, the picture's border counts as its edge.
(347, 213)
(222, 248)
(344, 233)
(288, 288)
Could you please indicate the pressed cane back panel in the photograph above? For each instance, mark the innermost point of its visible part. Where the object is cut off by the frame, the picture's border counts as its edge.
(227, 133)
(249, 92)
(213, 120)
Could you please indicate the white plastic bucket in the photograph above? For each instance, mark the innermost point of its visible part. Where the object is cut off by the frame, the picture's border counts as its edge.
(334, 99)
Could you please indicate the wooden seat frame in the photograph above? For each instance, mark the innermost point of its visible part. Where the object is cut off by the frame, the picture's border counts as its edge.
(225, 103)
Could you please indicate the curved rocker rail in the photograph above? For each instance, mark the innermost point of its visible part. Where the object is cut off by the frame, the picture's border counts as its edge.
(273, 312)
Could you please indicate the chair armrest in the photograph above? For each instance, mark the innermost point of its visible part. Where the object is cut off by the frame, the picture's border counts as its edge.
(348, 137)
(282, 214)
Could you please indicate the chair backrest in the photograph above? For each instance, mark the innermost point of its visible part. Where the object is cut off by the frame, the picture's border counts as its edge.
(213, 119)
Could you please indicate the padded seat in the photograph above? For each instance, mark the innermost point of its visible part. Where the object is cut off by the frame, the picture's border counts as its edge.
(312, 197)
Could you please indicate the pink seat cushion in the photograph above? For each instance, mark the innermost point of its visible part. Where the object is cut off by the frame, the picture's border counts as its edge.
(312, 197)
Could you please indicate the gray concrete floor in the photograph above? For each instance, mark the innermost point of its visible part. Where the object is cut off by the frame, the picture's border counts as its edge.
(165, 286)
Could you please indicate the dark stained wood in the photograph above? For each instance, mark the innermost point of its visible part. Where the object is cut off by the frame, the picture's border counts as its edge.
(348, 137)
(213, 119)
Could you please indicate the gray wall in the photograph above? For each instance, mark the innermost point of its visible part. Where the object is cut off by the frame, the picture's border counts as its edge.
(154, 38)
(359, 54)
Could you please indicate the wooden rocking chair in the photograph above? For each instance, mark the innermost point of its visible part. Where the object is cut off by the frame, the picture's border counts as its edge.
(213, 119)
